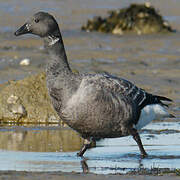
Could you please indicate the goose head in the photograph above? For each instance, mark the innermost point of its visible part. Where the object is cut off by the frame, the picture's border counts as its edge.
(42, 24)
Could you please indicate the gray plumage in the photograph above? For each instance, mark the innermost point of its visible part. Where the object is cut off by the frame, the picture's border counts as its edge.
(95, 105)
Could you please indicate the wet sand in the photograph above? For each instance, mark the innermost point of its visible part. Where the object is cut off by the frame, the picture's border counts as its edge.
(9, 175)
(151, 61)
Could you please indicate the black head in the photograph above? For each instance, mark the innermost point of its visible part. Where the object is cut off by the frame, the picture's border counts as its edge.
(41, 24)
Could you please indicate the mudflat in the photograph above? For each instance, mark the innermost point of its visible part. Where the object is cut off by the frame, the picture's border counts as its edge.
(151, 61)
(9, 175)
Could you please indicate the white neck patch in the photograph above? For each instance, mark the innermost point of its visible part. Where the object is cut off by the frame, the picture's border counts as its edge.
(53, 41)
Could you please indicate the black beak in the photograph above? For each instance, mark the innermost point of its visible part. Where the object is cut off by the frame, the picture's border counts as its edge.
(22, 30)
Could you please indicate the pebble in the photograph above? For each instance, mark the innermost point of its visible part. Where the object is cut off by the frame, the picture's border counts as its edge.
(15, 106)
(18, 109)
(15, 57)
(52, 118)
(25, 62)
(147, 4)
(166, 23)
(117, 30)
(12, 99)
(41, 47)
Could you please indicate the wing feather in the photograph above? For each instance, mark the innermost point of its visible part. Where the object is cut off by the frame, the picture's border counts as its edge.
(139, 96)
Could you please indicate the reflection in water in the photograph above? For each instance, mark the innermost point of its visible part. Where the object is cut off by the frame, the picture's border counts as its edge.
(54, 149)
(40, 140)
(84, 166)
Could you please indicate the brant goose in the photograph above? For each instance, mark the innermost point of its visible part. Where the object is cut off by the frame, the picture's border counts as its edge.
(95, 105)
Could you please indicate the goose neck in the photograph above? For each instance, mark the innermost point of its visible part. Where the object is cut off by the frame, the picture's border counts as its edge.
(57, 61)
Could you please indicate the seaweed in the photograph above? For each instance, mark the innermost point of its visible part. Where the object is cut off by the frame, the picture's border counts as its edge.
(138, 18)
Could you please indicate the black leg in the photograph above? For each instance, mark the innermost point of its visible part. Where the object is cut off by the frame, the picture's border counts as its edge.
(85, 167)
(86, 145)
(137, 138)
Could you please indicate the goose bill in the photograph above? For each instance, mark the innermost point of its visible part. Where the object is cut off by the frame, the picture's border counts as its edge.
(23, 30)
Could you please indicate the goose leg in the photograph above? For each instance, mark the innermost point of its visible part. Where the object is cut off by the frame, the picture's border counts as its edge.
(86, 145)
(137, 138)
(85, 167)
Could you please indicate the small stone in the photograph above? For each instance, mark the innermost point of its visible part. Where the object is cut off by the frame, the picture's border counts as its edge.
(155, 71)
(15, 57)
(142, 15)
(25, 62)
(139, 32)
(18, 109)
(147, 4)
(117, 30)
(12, 99)
(52, 118)
(165, 23)
(41, 47)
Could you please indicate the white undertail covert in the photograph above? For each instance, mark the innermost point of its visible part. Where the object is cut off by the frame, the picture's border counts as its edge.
(150, 113)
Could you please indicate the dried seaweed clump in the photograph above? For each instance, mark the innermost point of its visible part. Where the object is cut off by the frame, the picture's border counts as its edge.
(138, 18)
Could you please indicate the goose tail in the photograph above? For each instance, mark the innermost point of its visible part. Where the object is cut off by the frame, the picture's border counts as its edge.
(162, 98)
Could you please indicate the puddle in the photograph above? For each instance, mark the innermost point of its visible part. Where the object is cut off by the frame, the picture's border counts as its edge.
(54, 149)
(28, 139)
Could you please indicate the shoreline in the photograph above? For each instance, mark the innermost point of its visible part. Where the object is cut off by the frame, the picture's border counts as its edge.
(22, 175)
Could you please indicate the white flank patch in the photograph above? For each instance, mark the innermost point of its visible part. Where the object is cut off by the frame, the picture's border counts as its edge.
(150, 113)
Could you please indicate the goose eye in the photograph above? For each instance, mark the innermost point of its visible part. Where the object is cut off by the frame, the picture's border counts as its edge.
(36, 20)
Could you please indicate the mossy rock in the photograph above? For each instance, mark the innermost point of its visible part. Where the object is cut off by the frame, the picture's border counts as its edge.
(26, 101)
(138, 18)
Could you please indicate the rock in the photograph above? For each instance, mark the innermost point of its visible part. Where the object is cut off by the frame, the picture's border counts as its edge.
(117, 30)
(15, 106)
(138, 18)
(26, 101)
(17, 110)
(147, 4)
(12, 99)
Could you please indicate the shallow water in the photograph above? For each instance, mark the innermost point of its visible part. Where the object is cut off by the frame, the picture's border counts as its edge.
(151, 61)
(54, 149)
